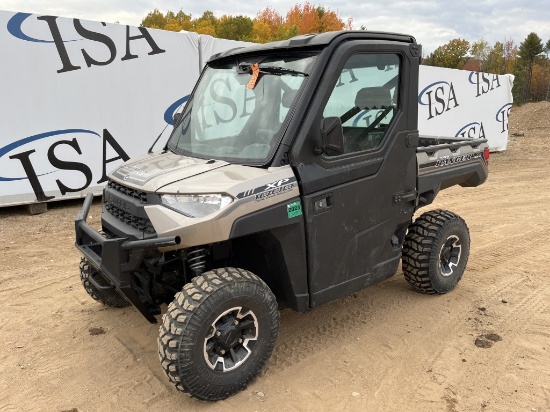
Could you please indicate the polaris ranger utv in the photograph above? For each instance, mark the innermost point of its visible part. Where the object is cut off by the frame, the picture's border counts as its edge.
(290, 179)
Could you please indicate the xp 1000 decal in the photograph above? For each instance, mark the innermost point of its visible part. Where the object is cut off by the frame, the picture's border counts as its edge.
(269, 190)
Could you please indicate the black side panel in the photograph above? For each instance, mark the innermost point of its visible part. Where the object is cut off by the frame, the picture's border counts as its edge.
(350, 241)
(265, 219)
(357, 205)
(380, 272)
(315, 178)
(272, 245)
(468, 175)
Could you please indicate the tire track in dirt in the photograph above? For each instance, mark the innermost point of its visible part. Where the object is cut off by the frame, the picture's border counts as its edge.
(497, 251)
(45, 284)
(371, 321)
(303, 335)
(516, 323)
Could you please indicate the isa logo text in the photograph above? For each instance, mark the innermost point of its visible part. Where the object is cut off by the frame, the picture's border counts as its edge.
(88, 37)
(440, 97)
(484, 82)
(59, 158)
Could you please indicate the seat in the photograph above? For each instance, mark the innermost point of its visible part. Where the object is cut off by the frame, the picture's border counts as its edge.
(369, 98)
(365, 138)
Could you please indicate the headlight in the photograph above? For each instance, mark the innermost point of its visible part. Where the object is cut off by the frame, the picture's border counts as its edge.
(196, 205)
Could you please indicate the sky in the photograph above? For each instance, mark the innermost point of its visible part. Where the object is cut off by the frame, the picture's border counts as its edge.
(433, 23)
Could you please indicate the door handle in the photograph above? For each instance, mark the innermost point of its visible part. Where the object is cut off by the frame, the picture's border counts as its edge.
(322, 203)
(404, 197)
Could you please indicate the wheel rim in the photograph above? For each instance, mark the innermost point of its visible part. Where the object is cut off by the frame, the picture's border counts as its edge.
(231, 339)
(449, 255)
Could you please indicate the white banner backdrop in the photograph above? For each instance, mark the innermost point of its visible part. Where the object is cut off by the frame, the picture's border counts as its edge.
(77, 94)
(462, 103)
(80, 97)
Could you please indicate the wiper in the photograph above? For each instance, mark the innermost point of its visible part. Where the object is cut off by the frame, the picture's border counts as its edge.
(278, 71)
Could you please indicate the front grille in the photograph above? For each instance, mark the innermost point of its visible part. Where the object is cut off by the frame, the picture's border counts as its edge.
(136, 194)
(127, 205)
(139, 223)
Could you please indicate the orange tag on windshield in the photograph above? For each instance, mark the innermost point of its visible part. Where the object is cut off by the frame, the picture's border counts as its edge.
(254, 79)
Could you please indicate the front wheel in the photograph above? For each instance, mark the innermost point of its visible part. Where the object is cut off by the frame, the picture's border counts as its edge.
(109, 297)
(218, 333)
(436, 251)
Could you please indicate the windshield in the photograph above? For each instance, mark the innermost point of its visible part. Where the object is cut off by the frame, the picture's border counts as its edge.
(238, 109)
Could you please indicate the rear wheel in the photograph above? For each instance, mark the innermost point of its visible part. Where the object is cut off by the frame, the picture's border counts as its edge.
(109, 297)
(436, 251)
(218, 333)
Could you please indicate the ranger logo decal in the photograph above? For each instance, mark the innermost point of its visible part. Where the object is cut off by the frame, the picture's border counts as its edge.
(447, 160)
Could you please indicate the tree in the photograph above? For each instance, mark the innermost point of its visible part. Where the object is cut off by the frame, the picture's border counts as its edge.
(452, 55)
(172, 25)
(234, 28)
(528, 50)
(304, 18)
(175, 22)
(205, 24)
(261, 32)
(479, 52)
(171, 21)
(510, 56)
(154, 20)
(270, 18)
(501, 58)
(540, 80)
(206, 20)
(268, 25)
(495, 59)
(310, 19)
(286, 32)
(204, 27)
(183, 19)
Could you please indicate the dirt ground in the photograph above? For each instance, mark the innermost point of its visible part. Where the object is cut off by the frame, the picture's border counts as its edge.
(483, 347)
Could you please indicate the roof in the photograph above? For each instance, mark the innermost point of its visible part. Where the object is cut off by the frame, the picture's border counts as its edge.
(316, 40)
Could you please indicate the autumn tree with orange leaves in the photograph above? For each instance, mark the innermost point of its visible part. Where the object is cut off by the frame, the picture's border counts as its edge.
(268, 25)
(310, 19)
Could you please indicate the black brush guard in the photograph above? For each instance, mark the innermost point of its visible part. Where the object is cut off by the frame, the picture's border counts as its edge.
(117, 258)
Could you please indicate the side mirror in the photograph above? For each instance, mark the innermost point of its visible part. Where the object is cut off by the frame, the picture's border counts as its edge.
(332, 137)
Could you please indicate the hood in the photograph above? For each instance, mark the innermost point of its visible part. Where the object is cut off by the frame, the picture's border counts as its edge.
(155, 170)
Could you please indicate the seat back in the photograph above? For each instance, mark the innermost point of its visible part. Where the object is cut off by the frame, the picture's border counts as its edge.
(369, 98)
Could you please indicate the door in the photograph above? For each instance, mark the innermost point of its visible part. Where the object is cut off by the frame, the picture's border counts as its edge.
(358, 203)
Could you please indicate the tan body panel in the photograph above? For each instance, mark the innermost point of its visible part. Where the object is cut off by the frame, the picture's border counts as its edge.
(252, 189)
(155, 170)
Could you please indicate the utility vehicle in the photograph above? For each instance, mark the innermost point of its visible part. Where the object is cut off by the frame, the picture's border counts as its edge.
(290, 179)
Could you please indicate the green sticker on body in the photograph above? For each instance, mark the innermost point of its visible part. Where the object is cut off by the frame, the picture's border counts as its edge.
(294, 209)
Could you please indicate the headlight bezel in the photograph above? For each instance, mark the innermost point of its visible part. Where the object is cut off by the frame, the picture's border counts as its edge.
(196, 205)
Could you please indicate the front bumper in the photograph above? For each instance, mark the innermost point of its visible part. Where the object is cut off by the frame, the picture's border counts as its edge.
(117, 258)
